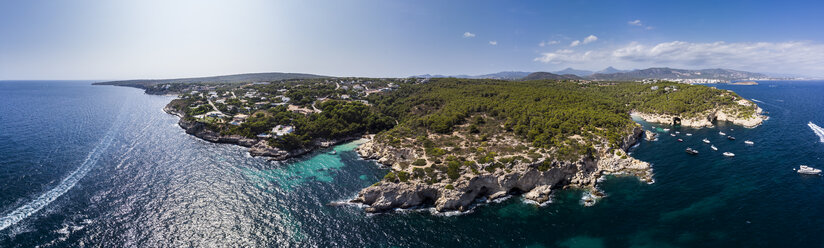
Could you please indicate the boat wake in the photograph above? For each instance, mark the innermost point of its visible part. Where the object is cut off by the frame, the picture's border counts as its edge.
(68, 183)
(754, 100)
(817, 130)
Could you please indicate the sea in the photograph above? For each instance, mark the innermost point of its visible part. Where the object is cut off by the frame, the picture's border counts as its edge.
(104, 166)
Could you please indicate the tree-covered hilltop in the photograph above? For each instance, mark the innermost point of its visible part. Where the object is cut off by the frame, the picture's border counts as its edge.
(481, 120)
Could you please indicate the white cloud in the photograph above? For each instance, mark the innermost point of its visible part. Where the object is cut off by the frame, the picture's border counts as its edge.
(590, 39)
(548, 43)
(575, 43)
(639, 24)
(468, 35)
(587, 40)
(800, 57)
(492, 42)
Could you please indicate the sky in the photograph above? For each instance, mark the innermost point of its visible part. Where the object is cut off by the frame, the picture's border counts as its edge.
(109, 40)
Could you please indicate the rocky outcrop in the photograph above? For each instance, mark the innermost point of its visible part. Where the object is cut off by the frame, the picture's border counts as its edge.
(257, 147)
(535, 180)
(707, 118)
(650, 135)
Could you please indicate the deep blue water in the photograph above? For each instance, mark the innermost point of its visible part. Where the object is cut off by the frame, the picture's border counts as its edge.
(84, 165)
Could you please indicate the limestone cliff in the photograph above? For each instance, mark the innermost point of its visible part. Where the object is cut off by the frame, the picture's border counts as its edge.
(535, 179)
(707, 118)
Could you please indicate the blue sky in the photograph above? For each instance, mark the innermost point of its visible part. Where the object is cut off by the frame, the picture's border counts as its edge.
(161, 39)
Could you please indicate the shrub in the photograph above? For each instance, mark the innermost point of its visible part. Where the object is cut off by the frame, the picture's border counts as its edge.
(389, 177)
(419, 162)
(403, 176)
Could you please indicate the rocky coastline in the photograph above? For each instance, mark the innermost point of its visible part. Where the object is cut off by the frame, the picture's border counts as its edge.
(257, 147)
(535, 180)
(707, 118)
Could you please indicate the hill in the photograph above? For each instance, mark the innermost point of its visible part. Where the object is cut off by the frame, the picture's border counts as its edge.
(458, 140)
(570, 70)
(237, 78)
(609, 70)
(550, 76)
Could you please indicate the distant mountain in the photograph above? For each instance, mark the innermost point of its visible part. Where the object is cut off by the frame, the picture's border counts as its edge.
(504, 75)
(569, 70)
(546, 75)
(609, 70)
(237, 78)
(670, 73)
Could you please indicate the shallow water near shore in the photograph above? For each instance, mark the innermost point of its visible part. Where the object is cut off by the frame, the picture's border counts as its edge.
(127, 175)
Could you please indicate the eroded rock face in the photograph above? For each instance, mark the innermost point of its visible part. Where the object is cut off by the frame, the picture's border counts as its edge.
(707, 119)
(650, 135)
(521, 177)
(539, 194)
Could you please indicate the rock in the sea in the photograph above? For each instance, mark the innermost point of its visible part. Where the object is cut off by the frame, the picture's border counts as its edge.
(539, 194)
(650, 135)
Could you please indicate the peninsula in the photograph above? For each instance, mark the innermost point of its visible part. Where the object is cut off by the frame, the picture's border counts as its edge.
(448, 141)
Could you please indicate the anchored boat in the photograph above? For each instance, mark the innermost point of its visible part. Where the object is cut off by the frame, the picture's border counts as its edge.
(706, 140)
(729, 154)
(692, 151)
(748, 142)
(714, 148)
(808, 170)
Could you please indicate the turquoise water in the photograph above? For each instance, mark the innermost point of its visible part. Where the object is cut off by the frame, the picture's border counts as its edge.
(104, 166)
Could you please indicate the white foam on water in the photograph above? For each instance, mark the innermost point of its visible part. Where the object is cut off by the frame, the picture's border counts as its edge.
(754, 100)
(817, 130)
(68, 183)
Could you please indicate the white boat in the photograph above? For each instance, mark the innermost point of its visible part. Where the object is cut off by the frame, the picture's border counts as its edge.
(721, 133)
(749, 142)
(689, 134)
(729, 154)
(672, 134)
(714, 148)
(808, 170)
(706, 140)
(692, 151)
(666, 129)
(676, 132)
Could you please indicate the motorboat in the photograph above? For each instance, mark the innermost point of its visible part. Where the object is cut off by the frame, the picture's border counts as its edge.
(730, 138)
(689, 134)
(672, 134)
(333, 152)
(691, 151)
(706, 140)
(714, 148)
(729, 154)
(808, 170)
(721, 133)
(680, 140)
(749, 142)
(677, 132)
(666, 129)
